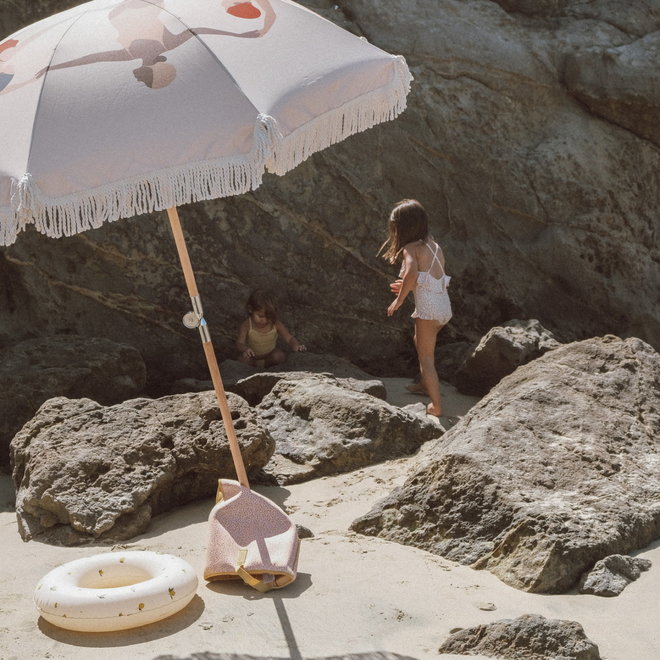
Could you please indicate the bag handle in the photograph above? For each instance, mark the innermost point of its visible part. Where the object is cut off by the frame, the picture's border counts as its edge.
(252, 581)
(249, 579)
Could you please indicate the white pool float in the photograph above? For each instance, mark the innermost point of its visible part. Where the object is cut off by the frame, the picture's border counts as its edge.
(115, 591)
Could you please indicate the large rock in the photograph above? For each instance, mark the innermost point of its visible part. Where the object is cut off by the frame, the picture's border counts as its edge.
(528, 637)
(84, 472)
(546, 207)
(35, 370)
(322, 425)
(500, 352)
(553, 470)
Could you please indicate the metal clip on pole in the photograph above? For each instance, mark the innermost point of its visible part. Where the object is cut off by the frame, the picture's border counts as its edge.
(195, 319)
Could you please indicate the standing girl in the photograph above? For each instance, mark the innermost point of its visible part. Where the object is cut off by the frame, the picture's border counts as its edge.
(257, 336)
(423, 273)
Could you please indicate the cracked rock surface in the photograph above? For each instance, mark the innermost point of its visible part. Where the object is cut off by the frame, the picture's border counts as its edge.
(555, 469)
(528, 637)
(88, 473)
(324, 425)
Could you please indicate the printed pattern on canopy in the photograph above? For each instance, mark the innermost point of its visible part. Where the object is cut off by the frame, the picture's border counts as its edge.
(121, 107)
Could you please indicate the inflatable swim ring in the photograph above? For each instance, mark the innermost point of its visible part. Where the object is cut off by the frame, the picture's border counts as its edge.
(115, 591)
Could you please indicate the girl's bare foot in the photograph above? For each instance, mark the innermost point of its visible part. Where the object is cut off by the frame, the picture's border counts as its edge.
(432, 410)
(417, 388)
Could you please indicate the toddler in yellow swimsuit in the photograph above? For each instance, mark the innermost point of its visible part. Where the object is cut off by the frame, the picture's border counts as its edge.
(257, 336)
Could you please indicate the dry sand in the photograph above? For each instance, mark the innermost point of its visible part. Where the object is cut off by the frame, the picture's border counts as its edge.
(353, 595)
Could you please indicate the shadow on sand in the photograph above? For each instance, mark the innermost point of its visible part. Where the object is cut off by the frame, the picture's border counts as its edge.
(158, 630)
(303, 583)
(7, 493)
(237, 588)
(375, 655)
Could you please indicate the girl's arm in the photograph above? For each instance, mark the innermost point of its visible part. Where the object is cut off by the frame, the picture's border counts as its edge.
(118, 55)
(241, 341)
(294, 344)
(172, 41)
(408, 281)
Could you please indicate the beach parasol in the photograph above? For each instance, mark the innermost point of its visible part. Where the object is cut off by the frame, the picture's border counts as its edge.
(116, 108)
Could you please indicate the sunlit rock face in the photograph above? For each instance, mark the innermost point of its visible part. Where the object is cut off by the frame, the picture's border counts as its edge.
(554, 469)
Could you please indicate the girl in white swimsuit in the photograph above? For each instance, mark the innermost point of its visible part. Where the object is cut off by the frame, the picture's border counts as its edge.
(423, 273)
(431, 296)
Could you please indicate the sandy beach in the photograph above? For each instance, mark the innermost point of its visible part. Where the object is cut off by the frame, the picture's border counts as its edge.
(354, 595)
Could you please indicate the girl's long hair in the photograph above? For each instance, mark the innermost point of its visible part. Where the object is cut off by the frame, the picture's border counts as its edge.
(408, 222)
(262, 300)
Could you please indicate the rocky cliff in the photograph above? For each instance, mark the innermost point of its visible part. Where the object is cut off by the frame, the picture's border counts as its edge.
(530, 136)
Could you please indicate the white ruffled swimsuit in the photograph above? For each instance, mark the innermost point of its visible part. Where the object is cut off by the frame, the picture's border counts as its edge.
(431, 297)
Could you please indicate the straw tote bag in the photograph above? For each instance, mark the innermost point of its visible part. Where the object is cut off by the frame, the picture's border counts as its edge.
(250, 539)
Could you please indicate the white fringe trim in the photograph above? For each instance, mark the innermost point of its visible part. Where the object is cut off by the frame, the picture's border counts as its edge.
(66, 216)
(358, 115)
(8, 226)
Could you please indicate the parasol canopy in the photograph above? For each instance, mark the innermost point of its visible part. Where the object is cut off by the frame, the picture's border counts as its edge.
(120, 107)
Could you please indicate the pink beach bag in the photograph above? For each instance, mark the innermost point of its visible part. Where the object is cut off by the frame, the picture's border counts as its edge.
(250, 539)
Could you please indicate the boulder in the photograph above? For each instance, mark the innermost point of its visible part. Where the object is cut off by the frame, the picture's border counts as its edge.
(610, 576)
(87, 473)
(321, 426)
(36, 370)
(556, 468)
(528, 637)
(500, 352)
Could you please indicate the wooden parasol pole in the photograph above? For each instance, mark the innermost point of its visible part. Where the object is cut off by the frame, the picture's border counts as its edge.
(196, 319)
